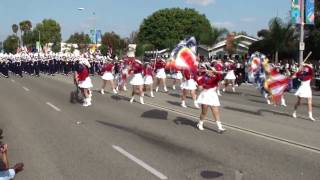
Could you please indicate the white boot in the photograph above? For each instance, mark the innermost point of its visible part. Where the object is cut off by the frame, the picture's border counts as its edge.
(218, 92)
(311, 117)
(165, 89)
(224, 90)
(132, 99)
(115, 91)
(117, 88)
(151, 94)
(200, 125)
(141, 100)
(196, 105)
(220, 128)
(283, 102)
(183, 104)
(124, 88)
(233, 89)
(174, 87)
(102, 91)
(157, 88)
(89, 101)
(294, 114)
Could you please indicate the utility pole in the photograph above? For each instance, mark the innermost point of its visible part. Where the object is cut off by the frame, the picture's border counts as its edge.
(301, 44)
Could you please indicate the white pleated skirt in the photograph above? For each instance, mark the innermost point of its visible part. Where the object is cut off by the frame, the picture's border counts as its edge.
(148, 80)
(230, 76)
(177, 75)
(107, 76)
(190, 84)
(137, 80)
(86, 84)
(209, 97)
(161, 74)
(304, 91)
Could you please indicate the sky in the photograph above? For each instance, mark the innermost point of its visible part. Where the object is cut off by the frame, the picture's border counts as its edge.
(125, 16)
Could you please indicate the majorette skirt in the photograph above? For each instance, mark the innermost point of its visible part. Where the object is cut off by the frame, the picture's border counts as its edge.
(148, 80)
(137, 80)
(230, 76)
(86, 83)
(107, 76)
(209, 97)
(304, 91)
(161, 73)
(190, 84)
(177, 75)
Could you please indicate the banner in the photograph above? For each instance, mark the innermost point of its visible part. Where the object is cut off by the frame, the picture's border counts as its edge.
(309, 12)
(93, 36)
(98, 36)
(296, 11)
(38, 46)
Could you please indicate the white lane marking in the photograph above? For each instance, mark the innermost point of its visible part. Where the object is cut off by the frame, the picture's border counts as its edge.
(26, 89)
(53, 106)
(250, 132)
(140, 162)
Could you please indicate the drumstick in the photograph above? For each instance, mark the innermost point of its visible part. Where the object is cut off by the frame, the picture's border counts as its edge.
(307, 57)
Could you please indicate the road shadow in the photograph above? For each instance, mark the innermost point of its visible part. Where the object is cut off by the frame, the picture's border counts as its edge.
(117, 98)
(255, 113)
(184, 122)
(175, 95)
(257, 101)
(155, 114)
(210, 174)
(175, 103)
(274, 112)
(234, 93)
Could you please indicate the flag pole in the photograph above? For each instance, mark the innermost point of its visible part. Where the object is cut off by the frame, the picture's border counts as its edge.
(301, 44)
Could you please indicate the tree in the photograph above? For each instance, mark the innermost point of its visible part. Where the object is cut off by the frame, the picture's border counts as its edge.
(15, 28)
(50, 32)
(218, 34)
(81, 39)
(25, 26)
(114, 41)
(280, 38)
(166, 27)
(11, 44)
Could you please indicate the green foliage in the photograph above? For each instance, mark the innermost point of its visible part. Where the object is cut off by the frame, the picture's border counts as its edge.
(11, 44)
(25, 25)
(141, 48)
(50, 32)
(280, 39)
(81, 39)
(103, 49)
(166, 27)
(114, 41)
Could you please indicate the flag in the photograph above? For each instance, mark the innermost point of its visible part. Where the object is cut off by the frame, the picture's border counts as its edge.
(309, 12)
(276, 84)
(184, 56)
(98, 36)
(93, 36)
(295, 12)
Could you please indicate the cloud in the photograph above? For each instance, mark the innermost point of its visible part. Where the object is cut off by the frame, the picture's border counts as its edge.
(248, 19)
(224, 24)
(201, 2)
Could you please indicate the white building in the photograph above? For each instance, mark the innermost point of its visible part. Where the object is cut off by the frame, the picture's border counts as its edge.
(243, 44)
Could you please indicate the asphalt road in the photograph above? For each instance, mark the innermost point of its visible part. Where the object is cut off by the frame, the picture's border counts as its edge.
(116, 140)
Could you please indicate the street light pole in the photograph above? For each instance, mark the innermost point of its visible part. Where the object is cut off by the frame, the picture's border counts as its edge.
(301, 44)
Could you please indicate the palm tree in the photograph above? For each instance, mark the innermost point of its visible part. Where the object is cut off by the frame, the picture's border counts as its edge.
(15, 28)
(25, 26)
(280, 37)
(218, 34)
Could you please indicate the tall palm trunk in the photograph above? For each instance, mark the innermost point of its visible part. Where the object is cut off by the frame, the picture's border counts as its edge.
(276, 57)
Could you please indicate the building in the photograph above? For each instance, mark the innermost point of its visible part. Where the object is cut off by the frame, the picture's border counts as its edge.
(242, 42)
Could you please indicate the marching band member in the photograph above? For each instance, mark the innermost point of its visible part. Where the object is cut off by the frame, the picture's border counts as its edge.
(177, 76)
(148, 78)
(84, 81)
(230, 77)
(107, 76)
(161, 76)
(208, 98)
(218, 65)
(189, 84)
(137, 80)
(305, 75)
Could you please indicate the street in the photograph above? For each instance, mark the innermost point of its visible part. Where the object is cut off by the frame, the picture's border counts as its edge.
(116, 140)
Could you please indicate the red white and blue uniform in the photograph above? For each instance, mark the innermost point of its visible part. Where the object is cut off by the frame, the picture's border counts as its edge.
(136, 70)
(84, 80)
(305, 75)
(190, 78)
(230, 68)
(160, 69)
(148, 74)
(209, 95)
(107, 70)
